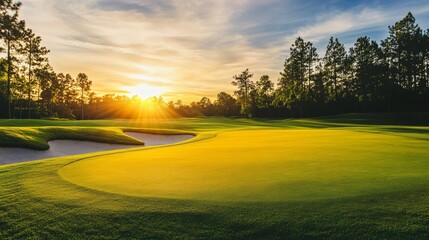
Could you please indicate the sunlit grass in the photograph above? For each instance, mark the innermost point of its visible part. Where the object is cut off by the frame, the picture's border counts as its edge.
(311, 179)
(262, 165)
(38, 137)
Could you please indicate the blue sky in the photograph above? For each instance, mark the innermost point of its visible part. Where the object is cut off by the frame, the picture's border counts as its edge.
(187, 49)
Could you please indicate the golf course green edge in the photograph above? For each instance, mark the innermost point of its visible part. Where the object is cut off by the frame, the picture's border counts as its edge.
(37, 138)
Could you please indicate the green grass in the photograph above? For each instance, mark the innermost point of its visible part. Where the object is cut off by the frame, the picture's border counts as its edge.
(324, 178)
(262, 165)
(38, 137)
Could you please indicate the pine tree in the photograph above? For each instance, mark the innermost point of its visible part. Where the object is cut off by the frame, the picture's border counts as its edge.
(264, 90)
(312, 60)
(295, 76)
(85, 86)
(335, 62)
(245, 86)
(11, 29)
(403, 52)
(368, 71)
(226, 105)
(35, 57)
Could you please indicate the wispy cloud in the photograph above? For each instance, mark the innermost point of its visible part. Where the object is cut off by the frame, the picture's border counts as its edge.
(194, 47)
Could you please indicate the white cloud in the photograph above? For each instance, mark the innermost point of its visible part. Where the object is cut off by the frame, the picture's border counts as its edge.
(354, 21)
(193, 46)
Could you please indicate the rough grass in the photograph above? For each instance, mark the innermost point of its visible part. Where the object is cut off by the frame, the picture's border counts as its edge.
(37, 203)
(37, 137)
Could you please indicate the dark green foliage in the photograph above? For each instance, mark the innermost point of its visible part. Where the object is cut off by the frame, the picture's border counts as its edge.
(389, 77)
(393, 77)
(295, 83)
(85, 86)
(334, 66)
(226, 105)
(264, 90)
(26, 76)
(11, 32)
(244, 91)
(35, 56)
(368, 82)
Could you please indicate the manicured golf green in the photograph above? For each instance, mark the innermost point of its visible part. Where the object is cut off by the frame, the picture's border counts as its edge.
(340, 177)
(262, 165)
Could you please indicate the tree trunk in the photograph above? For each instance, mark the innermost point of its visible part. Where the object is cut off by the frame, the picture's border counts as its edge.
(20, 108)
(38, 102)
(82, 105)
(9, 73)
(245, 99)
(427, 75)
(29, 81)
(335, 85)
(309, 71)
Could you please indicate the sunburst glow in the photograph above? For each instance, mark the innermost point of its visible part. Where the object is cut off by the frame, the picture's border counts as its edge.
(145, 91)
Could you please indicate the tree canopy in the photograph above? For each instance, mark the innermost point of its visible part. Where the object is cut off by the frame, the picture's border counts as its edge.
(390, 76)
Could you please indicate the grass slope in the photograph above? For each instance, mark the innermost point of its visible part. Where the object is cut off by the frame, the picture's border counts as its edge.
(328, 186)
(37, 137)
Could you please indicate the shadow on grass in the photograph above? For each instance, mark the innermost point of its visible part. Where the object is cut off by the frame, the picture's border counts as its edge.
(378, 216)
(27, 210)
(406, 119)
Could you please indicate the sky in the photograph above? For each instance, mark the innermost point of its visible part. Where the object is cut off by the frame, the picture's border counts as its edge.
(187, 49)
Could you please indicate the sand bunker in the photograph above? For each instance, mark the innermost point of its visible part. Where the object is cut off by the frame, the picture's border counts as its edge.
(71, 147)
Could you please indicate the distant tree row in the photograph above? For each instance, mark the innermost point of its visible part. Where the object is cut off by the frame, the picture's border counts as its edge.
(29, 87)
(369, 77)
(115, 106)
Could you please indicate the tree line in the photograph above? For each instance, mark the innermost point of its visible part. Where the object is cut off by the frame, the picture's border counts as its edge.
(390, 76)
(29, 87)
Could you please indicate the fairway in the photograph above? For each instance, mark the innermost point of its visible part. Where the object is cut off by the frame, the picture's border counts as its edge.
(262, 165)
(323, 178)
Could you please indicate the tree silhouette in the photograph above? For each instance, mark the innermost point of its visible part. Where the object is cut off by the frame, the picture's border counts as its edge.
(244, 85)
(10, 31)
(334, 63)
(264, 90)
(36, 57)
(392, 76)
(85, 86)
(295, 75)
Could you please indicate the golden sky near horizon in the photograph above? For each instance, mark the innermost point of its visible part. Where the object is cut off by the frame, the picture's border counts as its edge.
(187, 49)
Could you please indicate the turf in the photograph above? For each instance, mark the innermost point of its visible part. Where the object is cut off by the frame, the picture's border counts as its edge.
(37, 137)
(270, 165)
(239, 179)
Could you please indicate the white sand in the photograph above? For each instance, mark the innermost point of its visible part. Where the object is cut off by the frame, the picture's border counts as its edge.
(72, 147)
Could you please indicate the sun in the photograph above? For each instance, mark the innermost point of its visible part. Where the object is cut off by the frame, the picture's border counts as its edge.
(145, 91)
